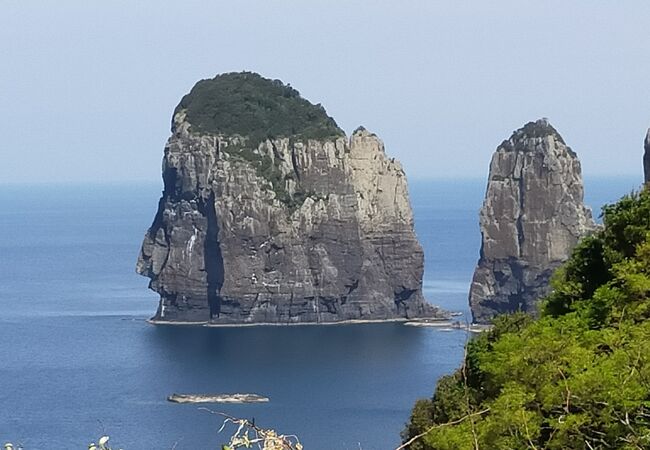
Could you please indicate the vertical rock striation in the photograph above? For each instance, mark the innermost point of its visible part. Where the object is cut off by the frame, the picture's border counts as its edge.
(270, 214)
(532, 217)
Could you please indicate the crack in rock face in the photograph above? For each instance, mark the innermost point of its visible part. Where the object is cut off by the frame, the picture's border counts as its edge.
(270, 214)
(532, 218)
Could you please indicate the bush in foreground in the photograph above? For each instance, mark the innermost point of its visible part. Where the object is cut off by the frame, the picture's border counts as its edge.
(577, 378)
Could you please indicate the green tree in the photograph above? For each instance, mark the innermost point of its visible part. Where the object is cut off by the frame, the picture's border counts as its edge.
(577, 378)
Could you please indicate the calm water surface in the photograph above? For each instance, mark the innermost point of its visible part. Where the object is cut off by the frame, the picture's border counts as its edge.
(79, 360)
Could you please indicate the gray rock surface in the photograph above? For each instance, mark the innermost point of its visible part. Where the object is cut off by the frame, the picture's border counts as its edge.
(646, 158)
(335, 242)
(532, 217)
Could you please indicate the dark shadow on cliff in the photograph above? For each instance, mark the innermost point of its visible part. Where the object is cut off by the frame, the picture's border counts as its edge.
(213, 258)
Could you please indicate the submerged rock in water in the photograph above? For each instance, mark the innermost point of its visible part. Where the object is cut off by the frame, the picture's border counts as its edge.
(270, 214)
(217, 398)
(532, 217)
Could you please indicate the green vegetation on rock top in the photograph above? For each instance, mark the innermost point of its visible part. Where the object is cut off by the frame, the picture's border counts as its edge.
(538, 129)
(577, 378)
(254, 107)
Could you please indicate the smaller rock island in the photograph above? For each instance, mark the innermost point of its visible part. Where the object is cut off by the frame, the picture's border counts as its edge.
(532, 218)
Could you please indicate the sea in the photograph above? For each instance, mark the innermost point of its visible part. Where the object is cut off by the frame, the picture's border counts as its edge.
(78, 359)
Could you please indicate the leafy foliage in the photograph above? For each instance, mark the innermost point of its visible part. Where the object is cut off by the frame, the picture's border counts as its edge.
(539, 129)
(577, 378)
(246, 104)
(253, 109)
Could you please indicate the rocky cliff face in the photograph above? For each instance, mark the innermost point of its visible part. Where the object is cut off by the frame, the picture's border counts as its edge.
(532, 217)
(646, 158)
(254, 228)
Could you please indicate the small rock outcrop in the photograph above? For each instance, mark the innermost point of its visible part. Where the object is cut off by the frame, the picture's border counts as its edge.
(532, 217)
(270, 214)
(217, 398)
(646, 158)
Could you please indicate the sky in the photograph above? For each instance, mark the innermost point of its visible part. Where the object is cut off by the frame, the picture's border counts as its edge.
(87, 88)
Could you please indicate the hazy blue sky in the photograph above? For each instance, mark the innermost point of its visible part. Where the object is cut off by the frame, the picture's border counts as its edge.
(87, 87)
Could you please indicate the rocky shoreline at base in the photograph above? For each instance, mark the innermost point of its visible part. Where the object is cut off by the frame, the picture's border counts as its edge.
(446, 325)
(278, 324)
(443, 324)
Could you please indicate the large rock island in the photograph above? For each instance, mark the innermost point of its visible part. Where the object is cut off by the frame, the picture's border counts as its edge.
(270, 214)
(532, 217)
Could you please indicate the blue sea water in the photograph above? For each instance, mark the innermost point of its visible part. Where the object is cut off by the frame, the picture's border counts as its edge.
(78, 359)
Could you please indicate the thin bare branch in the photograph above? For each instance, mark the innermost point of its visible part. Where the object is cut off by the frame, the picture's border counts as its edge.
(262, 436)
(440, 425)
